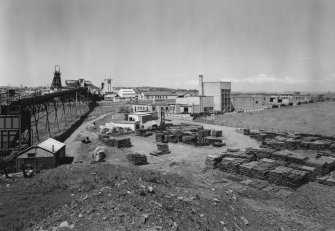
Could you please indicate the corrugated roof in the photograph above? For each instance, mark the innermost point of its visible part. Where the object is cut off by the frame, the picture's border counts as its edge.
(159, 93)
(51, 145)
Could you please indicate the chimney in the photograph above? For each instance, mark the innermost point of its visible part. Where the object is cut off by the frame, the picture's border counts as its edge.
(201, 85)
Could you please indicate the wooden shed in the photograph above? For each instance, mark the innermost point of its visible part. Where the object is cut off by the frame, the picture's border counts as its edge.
(42, 156)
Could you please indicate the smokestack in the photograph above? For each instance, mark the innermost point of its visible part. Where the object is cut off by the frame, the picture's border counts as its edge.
(201, 85)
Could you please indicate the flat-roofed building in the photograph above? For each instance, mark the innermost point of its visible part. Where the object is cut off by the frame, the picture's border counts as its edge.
(247, 102)
(157, 95)
(219, 90)
(194, 104)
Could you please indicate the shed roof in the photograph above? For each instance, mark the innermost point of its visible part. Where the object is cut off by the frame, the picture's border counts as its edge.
(159, 93)
(51, 145)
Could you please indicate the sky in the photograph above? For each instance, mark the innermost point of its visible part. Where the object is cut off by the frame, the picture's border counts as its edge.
(258, 45)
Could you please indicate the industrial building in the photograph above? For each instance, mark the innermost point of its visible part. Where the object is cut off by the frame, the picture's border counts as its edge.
(195, 104)
(42, 156)
(154, 95)
(106, 87)
(126, 94)
(142, 117)
(158, 107)
(219, 90)
(247, 102)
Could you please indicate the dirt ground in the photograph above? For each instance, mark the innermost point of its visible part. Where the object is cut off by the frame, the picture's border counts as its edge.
(189, 162)
(180, 192)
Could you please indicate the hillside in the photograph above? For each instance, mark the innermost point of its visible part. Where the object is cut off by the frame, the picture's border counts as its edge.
(318, 118)
(105, 196)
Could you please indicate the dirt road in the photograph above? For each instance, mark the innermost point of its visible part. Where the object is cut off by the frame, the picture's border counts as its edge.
(74, 141)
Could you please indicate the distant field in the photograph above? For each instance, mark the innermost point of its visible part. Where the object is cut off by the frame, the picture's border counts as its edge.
(318, 118)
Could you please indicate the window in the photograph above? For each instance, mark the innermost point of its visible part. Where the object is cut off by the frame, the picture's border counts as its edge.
(31, 155)
(256, 102)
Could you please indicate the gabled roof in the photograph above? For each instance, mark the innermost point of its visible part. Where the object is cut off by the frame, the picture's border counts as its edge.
(159, 93)
(51, 145)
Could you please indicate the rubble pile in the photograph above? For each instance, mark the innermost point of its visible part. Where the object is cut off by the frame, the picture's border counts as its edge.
(137, 159)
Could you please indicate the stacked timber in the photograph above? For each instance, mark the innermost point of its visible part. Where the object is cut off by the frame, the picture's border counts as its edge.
(219, 144)
(213, 140)
(216, 133)
(292, 144)
(252, 153)
(246, 168)
(207, 132)
(280, 155)
(311, 174)
(213, 160)
(162, 148)
(172, 138)
(230, 165)
(107, 141)
(261, 170)
(147, 133)
(189, 139)
(287, 176)
(160, 137)
(296, 158)
(201, 141)
(137, 159)
(317, 145)
(246, 131)
(323, 165)
(122, 142)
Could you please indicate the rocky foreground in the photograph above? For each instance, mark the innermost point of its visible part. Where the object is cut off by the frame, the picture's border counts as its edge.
(110, 197)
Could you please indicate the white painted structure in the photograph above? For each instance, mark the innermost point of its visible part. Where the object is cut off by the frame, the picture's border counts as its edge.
(127, 93)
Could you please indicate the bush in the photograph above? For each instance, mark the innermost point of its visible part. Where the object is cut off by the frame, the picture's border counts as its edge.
(124, 109)
(290, 104)
(275, 106)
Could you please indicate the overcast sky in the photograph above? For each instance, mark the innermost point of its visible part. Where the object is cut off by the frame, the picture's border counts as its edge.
(257, 44)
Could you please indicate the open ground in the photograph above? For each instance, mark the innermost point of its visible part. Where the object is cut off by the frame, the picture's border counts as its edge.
(176, 191)
(316, 118)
